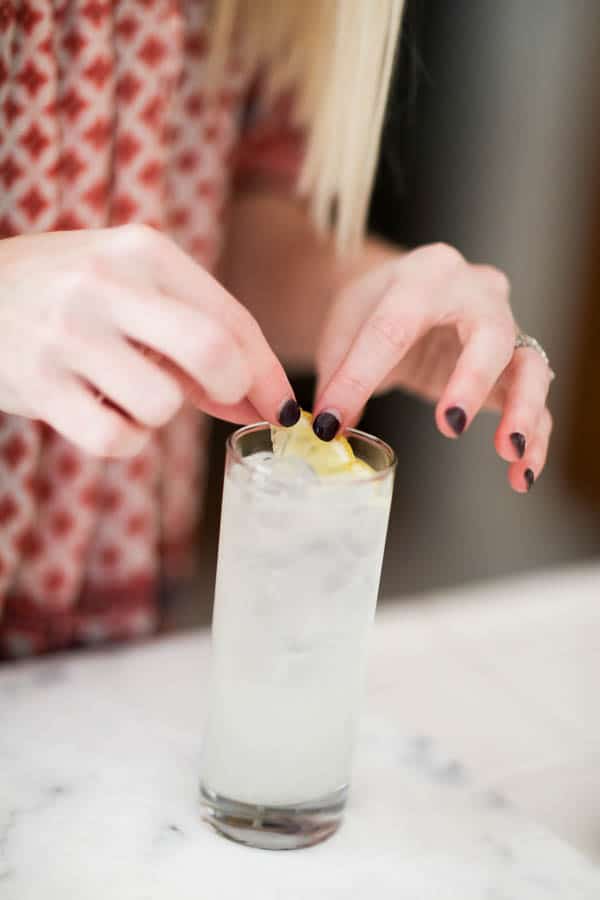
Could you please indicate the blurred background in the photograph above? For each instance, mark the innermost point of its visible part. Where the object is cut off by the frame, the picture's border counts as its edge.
(502, 150)
(492, 144)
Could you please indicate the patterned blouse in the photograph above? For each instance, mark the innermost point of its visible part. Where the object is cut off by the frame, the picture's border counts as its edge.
(103, 121)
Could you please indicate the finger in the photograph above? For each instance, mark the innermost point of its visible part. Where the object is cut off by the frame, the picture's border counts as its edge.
(343, 323)
(178, 276)
(527, 380)
(186, 336)
(242, 413)
(382, 341)
(71, 409)
(486, 354)
(354, 421)
(523, 474)
(419, 290)
(121, 373)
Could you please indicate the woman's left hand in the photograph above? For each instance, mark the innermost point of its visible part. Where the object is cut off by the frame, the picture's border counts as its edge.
(432, 323)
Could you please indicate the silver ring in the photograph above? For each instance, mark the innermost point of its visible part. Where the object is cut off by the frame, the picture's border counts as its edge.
(530, 343)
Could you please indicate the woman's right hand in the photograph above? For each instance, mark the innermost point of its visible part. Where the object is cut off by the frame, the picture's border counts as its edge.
(123, 314)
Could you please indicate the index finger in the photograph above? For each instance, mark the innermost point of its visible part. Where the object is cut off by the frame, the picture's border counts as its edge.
(270, 393)
(180, 277)
(397, 322)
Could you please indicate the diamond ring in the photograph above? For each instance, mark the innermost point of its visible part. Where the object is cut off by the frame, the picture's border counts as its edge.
(525, 340)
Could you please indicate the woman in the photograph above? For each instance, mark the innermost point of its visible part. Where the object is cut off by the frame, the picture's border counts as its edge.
(130, 131)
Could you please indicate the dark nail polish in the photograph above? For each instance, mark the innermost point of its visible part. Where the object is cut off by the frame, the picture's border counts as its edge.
(529, 478)
(326, 426)
(519, 443)
(289, 413)
(456, 419)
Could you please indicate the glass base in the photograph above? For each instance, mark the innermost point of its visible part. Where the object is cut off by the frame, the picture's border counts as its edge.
(275, 827)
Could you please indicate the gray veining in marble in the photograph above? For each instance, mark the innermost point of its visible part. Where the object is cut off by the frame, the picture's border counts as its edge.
(99, 764)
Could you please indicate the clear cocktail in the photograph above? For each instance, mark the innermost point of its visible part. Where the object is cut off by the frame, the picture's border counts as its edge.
(298, 575)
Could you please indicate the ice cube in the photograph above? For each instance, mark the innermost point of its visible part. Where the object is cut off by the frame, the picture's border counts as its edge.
(365, 532)
(238, 474)
(292, 471)
(259, 462)
(281, 475)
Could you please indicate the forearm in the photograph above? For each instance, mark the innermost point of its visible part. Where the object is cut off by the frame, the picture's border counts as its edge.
(285, 274)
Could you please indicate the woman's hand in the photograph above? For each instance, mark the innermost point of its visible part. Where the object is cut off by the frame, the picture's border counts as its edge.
(103, 332)
(432, 323)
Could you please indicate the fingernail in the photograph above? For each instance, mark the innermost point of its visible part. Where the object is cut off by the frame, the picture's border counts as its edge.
(519, 443)
(326, 426)
(289, 413)
(456, 419)
(529, 478)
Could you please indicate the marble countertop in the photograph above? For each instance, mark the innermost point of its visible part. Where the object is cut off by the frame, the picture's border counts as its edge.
(99, 763)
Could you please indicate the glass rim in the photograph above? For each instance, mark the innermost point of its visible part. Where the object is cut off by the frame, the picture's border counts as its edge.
(378, 474)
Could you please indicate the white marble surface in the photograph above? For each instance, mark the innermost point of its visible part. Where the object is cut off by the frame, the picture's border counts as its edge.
(476, 706)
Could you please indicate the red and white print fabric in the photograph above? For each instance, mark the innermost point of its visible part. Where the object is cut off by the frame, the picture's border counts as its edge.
(103, 121)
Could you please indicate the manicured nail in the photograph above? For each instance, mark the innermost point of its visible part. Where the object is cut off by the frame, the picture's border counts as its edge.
(519, 443)
(529, 478)
(326, 426)
(289, 413)
(456, 419)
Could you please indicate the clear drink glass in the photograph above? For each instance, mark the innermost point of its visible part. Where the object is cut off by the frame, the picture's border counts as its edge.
(297, 583)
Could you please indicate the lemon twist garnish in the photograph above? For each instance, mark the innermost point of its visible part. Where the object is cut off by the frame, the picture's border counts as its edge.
(326, 458)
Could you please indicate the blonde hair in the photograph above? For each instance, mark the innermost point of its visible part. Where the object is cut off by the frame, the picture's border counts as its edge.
(337, 57)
